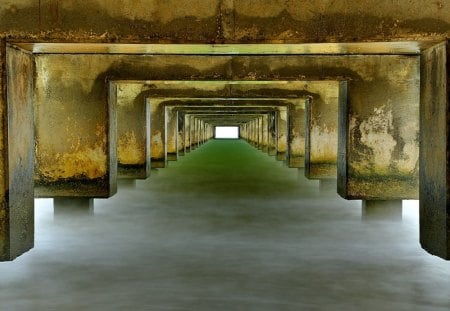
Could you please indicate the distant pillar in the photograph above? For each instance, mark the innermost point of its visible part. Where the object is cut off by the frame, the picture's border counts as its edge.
(386, 210)
(296, 144)
(282, 133)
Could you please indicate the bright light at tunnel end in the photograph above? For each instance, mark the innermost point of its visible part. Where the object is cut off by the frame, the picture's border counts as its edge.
(226, 132)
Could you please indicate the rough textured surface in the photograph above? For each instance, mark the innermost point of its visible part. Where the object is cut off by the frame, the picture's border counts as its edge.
(296, 138)
(322, 134)
(132, 141)
(20, 209)
(434, 170)
(219, 21)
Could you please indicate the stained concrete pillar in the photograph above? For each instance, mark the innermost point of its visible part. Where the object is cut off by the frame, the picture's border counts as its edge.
(297, 134)
(158, 133)
(180, 133)
(434, 151)
(282, 133)
(272, 135)
(17, 156)
(133, 134)
(322, 133)
(265, 132)
(187, 133)
(76, 141)
(171, 133)
(380, 210)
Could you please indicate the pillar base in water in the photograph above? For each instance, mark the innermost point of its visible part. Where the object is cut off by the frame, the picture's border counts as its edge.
(126, 183)
(380, 210)
(73, 206)
(328, 185)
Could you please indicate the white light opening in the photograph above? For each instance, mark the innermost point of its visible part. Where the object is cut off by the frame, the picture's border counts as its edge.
(226, 132)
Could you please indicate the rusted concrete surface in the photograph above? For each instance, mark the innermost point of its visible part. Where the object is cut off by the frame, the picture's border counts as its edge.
(219, 21)
(434, 155)
(322, 133)
(133, 128)
(74, 123)
(17, 206)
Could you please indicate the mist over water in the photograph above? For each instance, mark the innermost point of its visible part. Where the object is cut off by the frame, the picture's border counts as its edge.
(226, 227)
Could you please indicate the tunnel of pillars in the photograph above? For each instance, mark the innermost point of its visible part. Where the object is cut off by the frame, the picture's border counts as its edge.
(128, 113)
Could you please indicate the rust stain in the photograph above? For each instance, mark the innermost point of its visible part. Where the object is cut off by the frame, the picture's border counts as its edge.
(129, 150)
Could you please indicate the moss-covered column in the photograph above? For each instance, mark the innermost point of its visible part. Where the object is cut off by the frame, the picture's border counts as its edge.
(272, 133)
(180, 132)
(171, 133)
(297, 130)
(133, 134)
(76, 141)
(322, 134)
(265, 132)
(17, 152)
(187, 133)
(434, 151)
(282, 133)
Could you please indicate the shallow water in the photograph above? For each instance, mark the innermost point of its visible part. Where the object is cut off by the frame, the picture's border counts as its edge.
(225, 228)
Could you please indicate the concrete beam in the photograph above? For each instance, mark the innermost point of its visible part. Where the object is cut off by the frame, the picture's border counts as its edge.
(434, 151)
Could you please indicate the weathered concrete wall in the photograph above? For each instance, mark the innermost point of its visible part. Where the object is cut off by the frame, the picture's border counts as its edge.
(17, 207)
(225, 20)
(132, 134)
(322, 134)
(434, 155)
(73, 126)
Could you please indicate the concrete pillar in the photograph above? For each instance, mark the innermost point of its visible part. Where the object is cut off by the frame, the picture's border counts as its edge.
(265, 132)
(297, 133)
(187, 133)
(272, 135)
(282, 135)
(171, 134)
(322, 133)
(389, 210)
(434, 151)
(181, 133)
(17, 156)
(76, 132)
(73, 206)
(133, 134)
(158, 133)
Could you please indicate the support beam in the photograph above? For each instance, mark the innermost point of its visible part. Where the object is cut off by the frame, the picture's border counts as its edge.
(434, 151)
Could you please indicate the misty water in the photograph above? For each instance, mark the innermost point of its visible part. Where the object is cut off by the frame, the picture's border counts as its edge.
(226, 227)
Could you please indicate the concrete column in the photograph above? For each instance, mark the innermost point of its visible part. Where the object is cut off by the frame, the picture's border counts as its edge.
(434, 151)
(265, 133)
(187, 133)
(260, 132)
(192, 126)
(133, 134)
(181, 133)
(272, 135)
(297, 134)
(390, 210)
(73, 206)
(158, 133)
(322, 133)
(17, 156)
(171, 133)
(281, 120)
(76, 132)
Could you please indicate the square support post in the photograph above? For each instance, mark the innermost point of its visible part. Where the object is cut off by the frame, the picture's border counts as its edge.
(434, 151)
(17, 156)
(297, 134)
